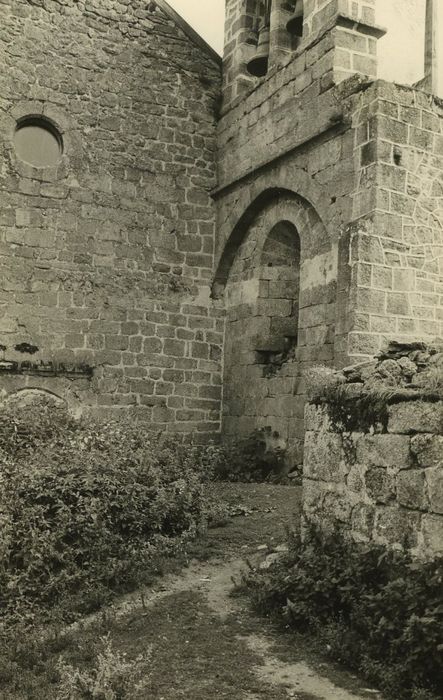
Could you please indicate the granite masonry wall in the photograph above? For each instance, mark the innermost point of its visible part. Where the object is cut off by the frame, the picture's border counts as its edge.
(287, 162)
(106, 258)
(352, 167)
(382, 487)
(373, 462)
(316, 227)
(396, 243)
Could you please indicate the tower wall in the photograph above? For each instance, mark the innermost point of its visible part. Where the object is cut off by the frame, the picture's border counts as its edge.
(396, 247)
(339, 40)
(361, 158)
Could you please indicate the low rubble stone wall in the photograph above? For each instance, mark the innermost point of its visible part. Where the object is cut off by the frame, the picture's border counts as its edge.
(379, 479)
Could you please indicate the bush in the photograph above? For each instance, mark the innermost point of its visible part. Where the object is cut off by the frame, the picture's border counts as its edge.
(247, 460)
(86, 507)
(378, 612)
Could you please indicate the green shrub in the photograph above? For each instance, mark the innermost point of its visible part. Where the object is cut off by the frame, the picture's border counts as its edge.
(378, 612)
(86, 507)
(247, 460)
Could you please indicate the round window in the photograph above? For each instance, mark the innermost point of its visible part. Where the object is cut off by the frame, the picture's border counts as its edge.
(37, 142)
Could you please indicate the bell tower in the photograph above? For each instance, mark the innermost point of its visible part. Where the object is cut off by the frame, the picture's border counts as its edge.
(263, 35)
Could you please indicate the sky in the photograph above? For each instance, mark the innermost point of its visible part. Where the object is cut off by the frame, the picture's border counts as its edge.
(206, 17)
(400, 52)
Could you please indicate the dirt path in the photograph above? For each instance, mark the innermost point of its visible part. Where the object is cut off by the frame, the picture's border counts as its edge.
(208, 645)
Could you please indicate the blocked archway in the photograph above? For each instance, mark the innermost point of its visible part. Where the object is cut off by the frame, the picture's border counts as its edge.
(278, 281)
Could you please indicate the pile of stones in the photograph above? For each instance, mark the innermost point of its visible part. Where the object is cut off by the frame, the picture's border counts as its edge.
(415, 366)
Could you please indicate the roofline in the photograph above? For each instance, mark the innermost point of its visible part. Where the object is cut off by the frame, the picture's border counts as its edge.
(187, 29)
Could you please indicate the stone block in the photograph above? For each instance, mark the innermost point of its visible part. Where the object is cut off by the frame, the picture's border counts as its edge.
(362, 521)
(416, 417)
(398, 304)
(411, 489)
(363, 344)
(404, 280)
(336, 507)
(356, 479)
(367, 248)
(428, 450)
(372, 300)
(323, 455)
(397, 527)
(434, 479)
(432, 532)
(384, 451)
(316, 418)
(382, 277)
(392, 130)
(380, 485)
(312, 498)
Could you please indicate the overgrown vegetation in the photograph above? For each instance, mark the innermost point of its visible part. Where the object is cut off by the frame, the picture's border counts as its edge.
(113, 678)
(247, 460)
(87, 508)
(71, 664)
(378, 612)
(360, 405)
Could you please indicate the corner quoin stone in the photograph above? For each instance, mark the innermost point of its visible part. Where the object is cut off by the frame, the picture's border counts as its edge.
(434, 479)
(432, 532)
(323, 455)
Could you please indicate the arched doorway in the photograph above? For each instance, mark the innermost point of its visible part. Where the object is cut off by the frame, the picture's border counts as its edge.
(279, 290)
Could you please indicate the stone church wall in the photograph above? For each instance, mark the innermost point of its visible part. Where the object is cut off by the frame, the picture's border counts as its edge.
(106, 258)
(353, 165)
(287, 156)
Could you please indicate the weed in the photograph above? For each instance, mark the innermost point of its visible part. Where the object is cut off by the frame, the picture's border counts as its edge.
(378, 612)
(114, 678)
(87, 508)
(247, 460)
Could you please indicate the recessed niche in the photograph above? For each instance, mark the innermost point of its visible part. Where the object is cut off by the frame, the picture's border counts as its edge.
(38, 142)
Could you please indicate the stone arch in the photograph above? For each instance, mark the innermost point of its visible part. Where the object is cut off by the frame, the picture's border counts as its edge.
(277, 276)
(283, 177)
(278, 201)
(282, 246)
(39, 397)
(33, 396)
